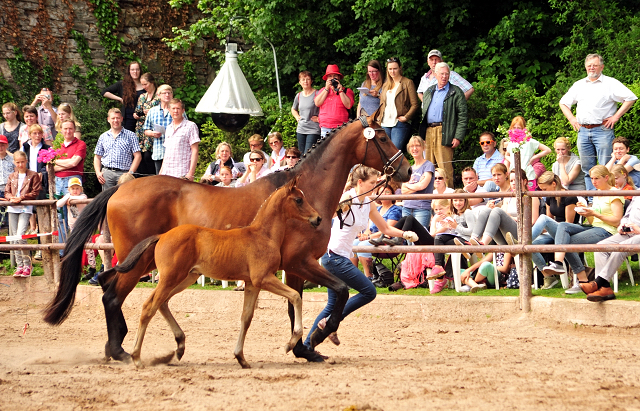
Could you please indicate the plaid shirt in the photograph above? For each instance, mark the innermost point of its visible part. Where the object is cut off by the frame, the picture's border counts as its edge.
(117, 152)
(6, 168)
(177, 144)
(454, 78)
(158, 117)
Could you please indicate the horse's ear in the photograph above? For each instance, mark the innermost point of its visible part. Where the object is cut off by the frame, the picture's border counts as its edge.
(372, 118)
(293, 182)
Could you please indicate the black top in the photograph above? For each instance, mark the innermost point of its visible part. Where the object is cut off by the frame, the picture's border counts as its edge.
(557, 211)
(128, 121)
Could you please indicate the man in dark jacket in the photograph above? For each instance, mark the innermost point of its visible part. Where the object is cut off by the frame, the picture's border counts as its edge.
(444, 120)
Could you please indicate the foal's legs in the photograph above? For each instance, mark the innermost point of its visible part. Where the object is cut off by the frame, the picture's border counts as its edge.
(173, 324)
(169, 282)
(272, 284)
(249, 305)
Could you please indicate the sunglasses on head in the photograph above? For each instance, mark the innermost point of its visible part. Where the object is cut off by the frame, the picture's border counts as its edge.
(254, 159)
(486, 143)
(393, 60)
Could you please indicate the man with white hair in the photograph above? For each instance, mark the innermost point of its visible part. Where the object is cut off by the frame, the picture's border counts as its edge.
(597, 97)
(429, 79)
(444, 120)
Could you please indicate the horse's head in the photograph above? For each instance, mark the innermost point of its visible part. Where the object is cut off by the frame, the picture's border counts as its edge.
(378, 151)
(295, 204)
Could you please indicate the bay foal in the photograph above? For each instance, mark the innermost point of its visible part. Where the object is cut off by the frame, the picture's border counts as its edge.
(251, 254)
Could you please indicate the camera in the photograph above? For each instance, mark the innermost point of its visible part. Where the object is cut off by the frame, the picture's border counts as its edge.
(335, 83)
(626, 229)
(139, 113)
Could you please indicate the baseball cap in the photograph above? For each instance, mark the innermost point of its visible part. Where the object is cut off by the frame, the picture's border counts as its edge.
(434, 52)
(3, 139)
(75, 181)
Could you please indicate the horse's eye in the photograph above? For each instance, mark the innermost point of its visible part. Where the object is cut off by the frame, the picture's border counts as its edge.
(298, 201)
(383, 139)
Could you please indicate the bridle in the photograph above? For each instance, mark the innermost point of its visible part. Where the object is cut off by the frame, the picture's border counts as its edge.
(388, 170)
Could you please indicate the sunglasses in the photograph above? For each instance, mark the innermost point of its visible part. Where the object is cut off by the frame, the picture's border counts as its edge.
(486, 143)
(274, 142)
(393, 60)
(439, 178)
(293, 157)
(254, 159)
(255, 145)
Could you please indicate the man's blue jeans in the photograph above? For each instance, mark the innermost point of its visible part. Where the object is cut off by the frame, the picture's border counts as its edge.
(595, 147)
(344, 269)
(399, 134)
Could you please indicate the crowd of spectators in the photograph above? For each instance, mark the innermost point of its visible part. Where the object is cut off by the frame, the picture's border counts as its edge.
(151, 134)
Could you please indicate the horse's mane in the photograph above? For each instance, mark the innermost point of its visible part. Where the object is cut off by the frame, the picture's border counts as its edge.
(309, 159)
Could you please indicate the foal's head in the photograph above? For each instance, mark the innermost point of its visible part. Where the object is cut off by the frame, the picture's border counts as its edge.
(293, 204)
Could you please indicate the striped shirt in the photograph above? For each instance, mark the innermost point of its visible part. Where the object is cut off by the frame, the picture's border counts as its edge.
(158, 117)
(177, 144)
(117, 152)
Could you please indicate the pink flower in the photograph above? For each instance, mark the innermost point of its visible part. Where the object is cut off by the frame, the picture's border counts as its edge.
(49, 155)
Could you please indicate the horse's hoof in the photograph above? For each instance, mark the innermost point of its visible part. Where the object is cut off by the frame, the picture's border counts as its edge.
(287, 348)
(302, 351)
(124, 357)
(179, 353)
(138, 363)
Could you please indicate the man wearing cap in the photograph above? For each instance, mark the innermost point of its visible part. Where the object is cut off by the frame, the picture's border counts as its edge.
(47, 114)
(429, 78)
(597, 97)
(444, 120)
(6, 167)
(117, 152)
(181, 144)
(334, 101)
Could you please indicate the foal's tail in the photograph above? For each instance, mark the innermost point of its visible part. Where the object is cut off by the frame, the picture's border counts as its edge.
(134, 255)
(90, 219)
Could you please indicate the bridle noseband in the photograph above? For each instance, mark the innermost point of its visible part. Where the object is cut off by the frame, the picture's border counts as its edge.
(388, 170)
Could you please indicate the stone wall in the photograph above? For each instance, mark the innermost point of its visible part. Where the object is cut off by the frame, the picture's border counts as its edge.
(42, 28)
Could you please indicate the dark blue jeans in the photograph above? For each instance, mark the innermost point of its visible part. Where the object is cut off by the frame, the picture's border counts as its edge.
(344, 269)
(305, 141)
(399, 134)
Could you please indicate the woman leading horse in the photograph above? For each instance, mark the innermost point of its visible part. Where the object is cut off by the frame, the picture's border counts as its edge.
(154, 205)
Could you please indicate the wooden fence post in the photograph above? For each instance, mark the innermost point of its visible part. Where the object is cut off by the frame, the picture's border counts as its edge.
(524, 235)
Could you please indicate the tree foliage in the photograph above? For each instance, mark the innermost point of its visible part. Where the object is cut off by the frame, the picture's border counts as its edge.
(521, 56)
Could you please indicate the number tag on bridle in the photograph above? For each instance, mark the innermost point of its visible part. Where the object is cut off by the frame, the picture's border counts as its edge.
(369, 133)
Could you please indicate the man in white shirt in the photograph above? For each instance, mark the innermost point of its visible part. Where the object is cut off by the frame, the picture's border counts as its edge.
(596, 97)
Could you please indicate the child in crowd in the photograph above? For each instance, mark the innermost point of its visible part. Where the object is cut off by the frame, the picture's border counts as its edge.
(623, 179)
(225, 177)
(73, 211)
(621, 156)
(23, 184)
(530, 161)
(443, 227)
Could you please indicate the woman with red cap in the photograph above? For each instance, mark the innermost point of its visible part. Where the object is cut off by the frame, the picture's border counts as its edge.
(334, 100)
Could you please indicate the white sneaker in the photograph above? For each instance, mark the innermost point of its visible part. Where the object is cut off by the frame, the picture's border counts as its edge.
(574, 290)
(465, 289)
(553, 268)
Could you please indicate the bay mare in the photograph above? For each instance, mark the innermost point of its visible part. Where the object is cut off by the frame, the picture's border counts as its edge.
(252, 254)
(154, 205)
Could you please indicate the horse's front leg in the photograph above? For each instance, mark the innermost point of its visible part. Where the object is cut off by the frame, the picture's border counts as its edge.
(248, 307)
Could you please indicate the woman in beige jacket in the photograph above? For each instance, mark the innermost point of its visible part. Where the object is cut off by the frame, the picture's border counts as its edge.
(398, 104)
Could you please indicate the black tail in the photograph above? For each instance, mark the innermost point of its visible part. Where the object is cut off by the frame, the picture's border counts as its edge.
(85, 226)
(135, 254)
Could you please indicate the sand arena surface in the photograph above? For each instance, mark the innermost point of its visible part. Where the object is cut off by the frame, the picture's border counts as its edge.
(398, 353)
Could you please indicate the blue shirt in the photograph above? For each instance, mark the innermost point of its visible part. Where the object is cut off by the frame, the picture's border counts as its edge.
(434, 112)
(483, 165)
(426, 167)
(394, 213)
(117, 152)
(6, 168)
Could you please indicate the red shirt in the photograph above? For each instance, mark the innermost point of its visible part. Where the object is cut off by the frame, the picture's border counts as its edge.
(332, 112)
(76, 148)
